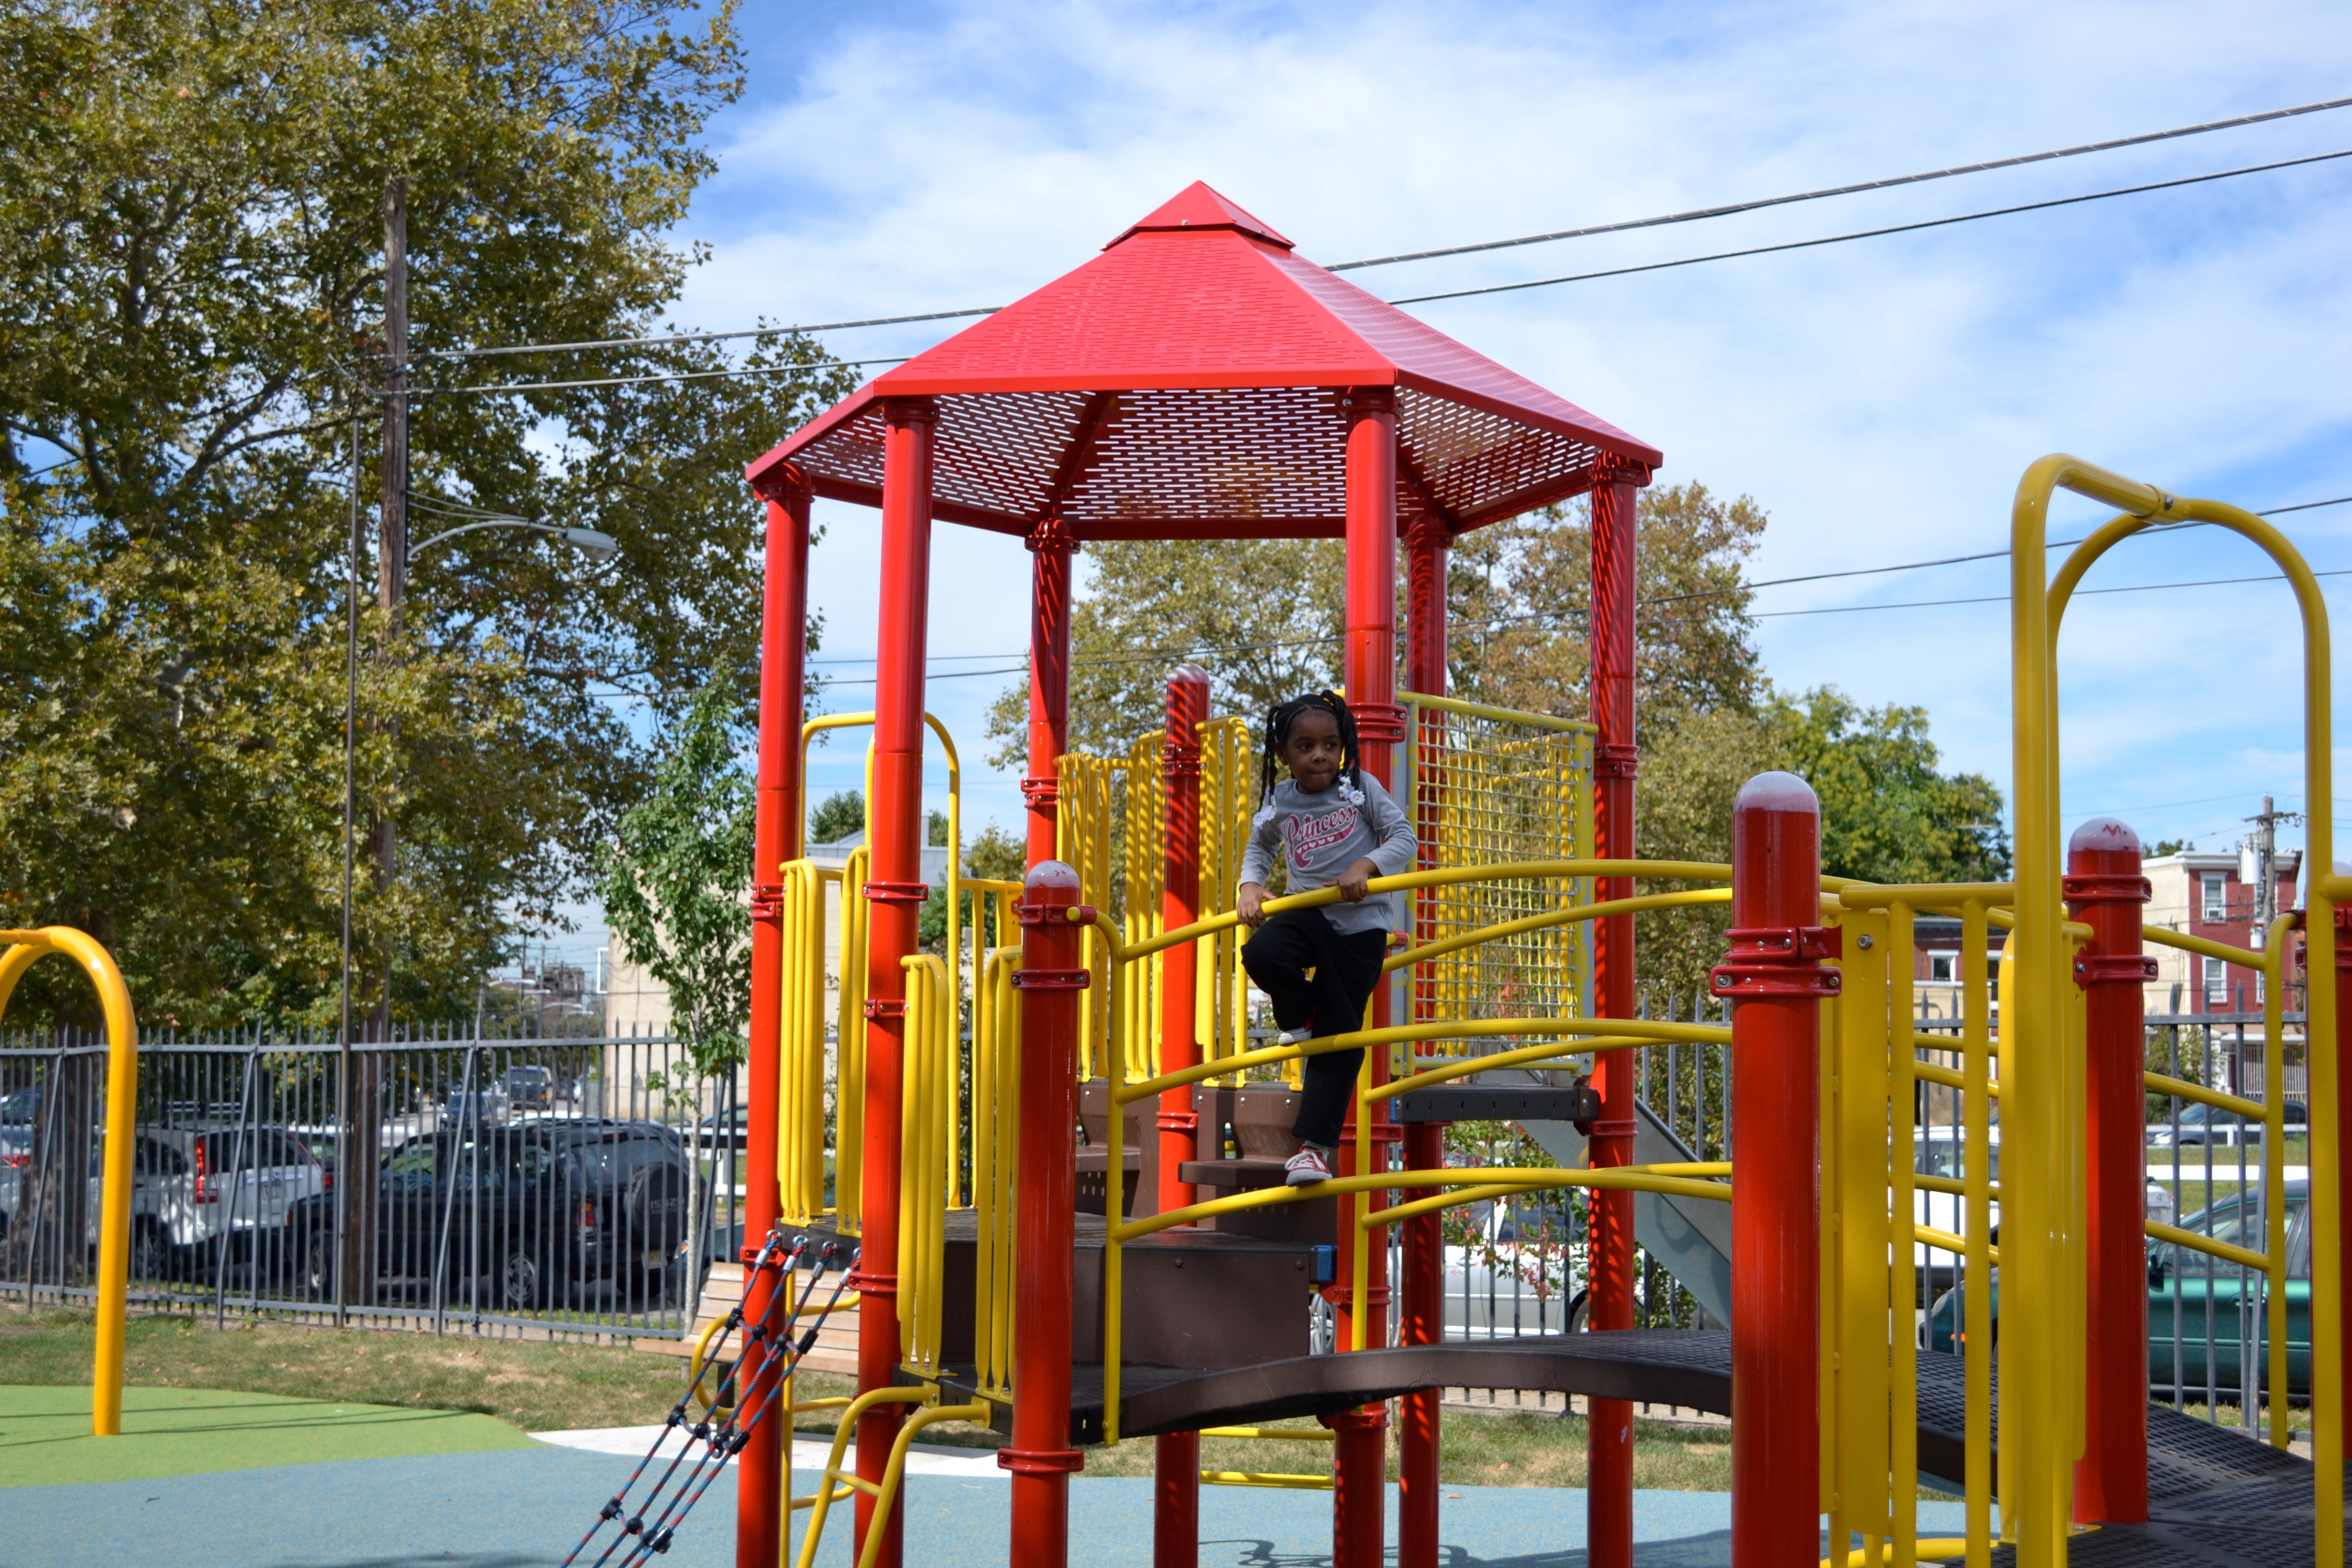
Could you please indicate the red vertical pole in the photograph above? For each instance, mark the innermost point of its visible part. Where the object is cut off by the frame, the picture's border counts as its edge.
(895, 887)
(1051, 974)
(1180, 905)
(1176, 1496)
(1421, 1311)
(1776, 982)
(2104, 887)
(1049, 681)
(1609, 1501)
(1176, 1501)
(776, 838)
(1359, 1489)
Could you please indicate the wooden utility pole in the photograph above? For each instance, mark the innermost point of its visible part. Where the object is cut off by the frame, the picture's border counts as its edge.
(363, 1151)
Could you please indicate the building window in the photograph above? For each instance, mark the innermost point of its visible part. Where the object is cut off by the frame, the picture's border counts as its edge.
(2216, 900)
(2217, 983)
(1940, 966)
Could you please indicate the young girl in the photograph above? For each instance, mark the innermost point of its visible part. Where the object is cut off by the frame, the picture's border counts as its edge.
(1331, 825)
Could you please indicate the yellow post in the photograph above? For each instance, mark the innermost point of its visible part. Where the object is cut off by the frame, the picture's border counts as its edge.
(121, 1105)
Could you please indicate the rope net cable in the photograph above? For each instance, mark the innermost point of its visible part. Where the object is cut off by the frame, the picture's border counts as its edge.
(649, 1526)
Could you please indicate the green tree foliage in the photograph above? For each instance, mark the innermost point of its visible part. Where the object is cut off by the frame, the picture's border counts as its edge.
(836, 816)
(1262, 616)
(191, 297)
(1887, 815)
(676, 879)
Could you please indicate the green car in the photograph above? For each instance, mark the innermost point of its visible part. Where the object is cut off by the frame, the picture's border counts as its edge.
(2196, 1312)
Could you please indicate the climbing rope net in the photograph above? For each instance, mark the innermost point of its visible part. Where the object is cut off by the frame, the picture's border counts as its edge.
(646, 1526)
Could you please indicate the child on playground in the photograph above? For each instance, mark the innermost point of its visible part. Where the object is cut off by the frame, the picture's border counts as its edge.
(1331, 826)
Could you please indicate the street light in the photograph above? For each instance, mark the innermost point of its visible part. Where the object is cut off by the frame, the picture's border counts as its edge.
(596, 547)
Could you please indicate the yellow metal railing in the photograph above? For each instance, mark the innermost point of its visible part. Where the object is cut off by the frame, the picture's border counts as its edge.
(19, 951)
(2041, 1102)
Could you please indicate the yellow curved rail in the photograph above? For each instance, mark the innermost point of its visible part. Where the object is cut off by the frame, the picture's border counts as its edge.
(24, 948)
(2046, 1100)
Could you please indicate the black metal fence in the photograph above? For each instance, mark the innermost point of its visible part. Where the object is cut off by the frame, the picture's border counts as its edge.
(452, 1180)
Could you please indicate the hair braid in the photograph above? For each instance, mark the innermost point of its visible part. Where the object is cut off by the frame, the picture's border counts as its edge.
(1280, 718)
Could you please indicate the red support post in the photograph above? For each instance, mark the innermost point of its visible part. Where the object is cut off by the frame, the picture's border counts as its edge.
(1050, 975)
(1176, 1501)
(1775, 980)
(1180, 905)
(776, 838)
(1176, 1496)
(2104, 888)
(895, 887)
(1360, 1469)
(1049, 682)
(1609, 1498)
(1421, 1307)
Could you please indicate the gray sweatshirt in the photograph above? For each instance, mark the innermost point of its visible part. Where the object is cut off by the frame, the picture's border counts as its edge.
(1320, 836)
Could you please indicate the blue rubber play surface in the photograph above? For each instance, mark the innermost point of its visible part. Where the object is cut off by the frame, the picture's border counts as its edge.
(525, 1507)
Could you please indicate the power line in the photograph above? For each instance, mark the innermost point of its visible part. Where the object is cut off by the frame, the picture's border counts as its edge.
(1733, 207)
(1948, 560)
(2003, 598)
(702, 337)
(1657, 221)
(638, 380)
(1873, 233)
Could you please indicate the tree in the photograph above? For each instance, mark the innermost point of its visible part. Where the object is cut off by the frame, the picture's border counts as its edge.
(1262, 616)
(836, 816)
(1887, 815)
(677, 878)
(191, 283)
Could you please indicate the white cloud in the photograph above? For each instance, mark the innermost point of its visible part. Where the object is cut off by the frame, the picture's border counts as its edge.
(1880, 398)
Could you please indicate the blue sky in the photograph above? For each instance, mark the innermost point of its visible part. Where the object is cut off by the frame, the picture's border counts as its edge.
(1879, 398)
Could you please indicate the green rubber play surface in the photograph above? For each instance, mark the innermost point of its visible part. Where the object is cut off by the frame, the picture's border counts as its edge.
(45, 1434)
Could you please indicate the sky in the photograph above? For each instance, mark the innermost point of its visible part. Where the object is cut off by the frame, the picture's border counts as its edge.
(1878, 398)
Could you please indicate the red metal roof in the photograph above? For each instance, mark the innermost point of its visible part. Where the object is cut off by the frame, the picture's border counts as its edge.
(1187, 384)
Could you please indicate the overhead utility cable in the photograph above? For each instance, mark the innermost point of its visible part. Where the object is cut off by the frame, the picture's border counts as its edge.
(1947, 560)
(1873, 233)
(1691, 216)
(640, 380)
(1730, 208)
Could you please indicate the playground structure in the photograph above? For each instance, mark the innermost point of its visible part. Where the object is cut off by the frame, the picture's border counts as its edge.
(19, 951)
(1198, 380)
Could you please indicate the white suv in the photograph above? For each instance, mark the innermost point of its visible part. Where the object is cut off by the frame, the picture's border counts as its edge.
(195, 1188)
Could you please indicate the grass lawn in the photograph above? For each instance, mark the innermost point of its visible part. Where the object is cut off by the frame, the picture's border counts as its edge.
(551, 1387)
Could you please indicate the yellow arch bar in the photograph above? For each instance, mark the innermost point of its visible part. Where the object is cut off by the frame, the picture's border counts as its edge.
(23, 948)
(2047, 1098)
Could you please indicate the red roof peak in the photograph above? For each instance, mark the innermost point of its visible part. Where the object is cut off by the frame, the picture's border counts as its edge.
(1197, 207)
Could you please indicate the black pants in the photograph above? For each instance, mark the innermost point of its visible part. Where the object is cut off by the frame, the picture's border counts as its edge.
(1277, 955)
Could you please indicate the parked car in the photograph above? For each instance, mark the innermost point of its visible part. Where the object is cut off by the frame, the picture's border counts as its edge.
(2194, 1299)
(21, 1109)
(528, 1088)
(465, 1107)
(1942, 1151)
(196, 1190)
(2202, 1124)
(520, 1217)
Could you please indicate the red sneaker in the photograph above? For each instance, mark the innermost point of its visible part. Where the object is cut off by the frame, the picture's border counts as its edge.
(1306, 1167)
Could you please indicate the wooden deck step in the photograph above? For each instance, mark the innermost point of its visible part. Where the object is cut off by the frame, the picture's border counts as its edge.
(835, 1350)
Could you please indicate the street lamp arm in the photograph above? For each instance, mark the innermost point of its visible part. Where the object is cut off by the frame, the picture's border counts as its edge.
(599, 546)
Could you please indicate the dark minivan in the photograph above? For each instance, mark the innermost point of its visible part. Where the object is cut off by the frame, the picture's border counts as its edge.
(517, 1217)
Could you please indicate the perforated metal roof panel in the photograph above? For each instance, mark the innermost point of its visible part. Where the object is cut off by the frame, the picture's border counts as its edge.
(1188, 383)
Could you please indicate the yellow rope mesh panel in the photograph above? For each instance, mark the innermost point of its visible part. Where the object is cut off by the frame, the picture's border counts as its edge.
(1082, 841)
(1146, 856)
(1229, 758)
(1487, 786)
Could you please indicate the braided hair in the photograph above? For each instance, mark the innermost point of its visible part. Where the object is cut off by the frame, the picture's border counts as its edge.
(1278, 721)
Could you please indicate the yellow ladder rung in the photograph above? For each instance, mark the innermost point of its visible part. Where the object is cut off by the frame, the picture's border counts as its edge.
(1265, 1478)
(810, 1501)
(871, 1488)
